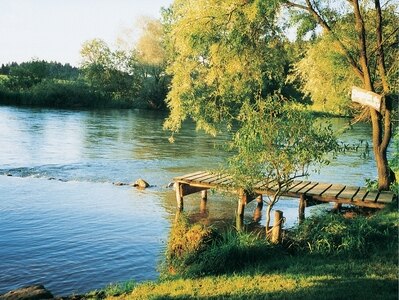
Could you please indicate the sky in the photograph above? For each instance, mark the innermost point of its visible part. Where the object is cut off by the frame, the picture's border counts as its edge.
(54, 30)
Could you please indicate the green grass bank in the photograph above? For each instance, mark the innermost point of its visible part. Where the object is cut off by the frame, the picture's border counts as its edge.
(332, 256)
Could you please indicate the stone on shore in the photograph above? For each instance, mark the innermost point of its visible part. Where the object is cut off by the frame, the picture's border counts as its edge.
(33, 292)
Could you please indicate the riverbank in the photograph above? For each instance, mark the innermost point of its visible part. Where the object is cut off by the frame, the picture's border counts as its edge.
(360, 263)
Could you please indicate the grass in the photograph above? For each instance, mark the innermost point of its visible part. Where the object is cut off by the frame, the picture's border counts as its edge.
(290, 278)
(360, 262)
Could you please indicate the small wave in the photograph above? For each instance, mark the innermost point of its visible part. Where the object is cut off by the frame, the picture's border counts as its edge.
(112, 172)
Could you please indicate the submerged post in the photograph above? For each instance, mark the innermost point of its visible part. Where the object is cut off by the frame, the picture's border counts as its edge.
(302, 206)
(179, 196)
(277, 226)
(242, 201)
(337, 207)
(258, 209)
(204, 199)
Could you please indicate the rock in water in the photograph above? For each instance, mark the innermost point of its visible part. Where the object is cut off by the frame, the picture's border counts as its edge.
(141, 183)
(33, 292)
(118, 183)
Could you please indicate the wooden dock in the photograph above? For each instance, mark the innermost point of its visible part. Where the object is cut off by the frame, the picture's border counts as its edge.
(307, 191)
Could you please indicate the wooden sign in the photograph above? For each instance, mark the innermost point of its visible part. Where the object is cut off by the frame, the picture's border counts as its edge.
(365, 97)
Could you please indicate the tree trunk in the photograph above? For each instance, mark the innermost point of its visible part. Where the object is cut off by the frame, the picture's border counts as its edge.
(379, 147)
(381, 122)
(267, 225)
(384, 172)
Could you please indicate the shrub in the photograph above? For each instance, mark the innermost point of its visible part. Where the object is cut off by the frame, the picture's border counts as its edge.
(334, 234)
(195, 250)
(185, 244)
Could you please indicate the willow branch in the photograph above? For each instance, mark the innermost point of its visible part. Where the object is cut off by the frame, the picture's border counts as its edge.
(309, 8)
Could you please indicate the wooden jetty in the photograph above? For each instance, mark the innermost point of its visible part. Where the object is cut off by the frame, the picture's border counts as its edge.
(308, 192)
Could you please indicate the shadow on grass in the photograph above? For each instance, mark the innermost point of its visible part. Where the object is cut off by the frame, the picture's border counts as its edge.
(357, 288)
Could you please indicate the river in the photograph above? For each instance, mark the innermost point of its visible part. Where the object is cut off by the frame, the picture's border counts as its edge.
(65, 225)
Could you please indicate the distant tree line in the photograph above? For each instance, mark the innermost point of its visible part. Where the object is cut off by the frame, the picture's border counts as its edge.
(93, 85)
(106, 78)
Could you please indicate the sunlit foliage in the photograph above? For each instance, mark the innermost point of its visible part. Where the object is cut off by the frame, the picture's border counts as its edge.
(224, 54)
(325, 72)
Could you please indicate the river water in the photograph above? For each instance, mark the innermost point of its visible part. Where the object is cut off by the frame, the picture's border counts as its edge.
(65, 225)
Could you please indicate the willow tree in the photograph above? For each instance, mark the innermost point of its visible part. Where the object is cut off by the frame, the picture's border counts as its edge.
(228, 67)
(112, 72)
(357, 46)
(151, 56)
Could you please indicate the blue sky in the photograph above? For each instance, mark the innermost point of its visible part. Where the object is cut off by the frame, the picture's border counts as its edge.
(54, 30)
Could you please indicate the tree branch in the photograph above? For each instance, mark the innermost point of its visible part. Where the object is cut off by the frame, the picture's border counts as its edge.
(309, 8)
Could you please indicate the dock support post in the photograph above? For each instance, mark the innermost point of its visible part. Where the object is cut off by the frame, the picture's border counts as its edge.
(179, 196)
(337, 207)
(277, 226)
(302, 206)
(204, 198)
(242, 201)
(258, 209)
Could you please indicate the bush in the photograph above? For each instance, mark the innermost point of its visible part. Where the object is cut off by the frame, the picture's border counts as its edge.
(185, 244)
(333, 234)
(195, 250)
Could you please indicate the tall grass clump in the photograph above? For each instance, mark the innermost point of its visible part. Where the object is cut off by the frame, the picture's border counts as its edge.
(333, 234)
(197, 250)
(185, 244)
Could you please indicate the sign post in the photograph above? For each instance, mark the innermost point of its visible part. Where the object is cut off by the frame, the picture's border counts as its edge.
(365, 97)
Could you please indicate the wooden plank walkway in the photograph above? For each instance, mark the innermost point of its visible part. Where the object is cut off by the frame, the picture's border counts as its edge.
(306, 191)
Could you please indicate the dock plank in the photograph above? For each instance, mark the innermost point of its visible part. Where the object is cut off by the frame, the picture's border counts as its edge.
(188, 175)
(194, 176)
(334, 191)
(308, 188)
(217, 177)
(268, 184)
(292, 184)
(385, 197)
(299, 187)
(208, 179)
(318, 189)
(349, 192)
(360, 195)
(260, 183)
(371, 196)
(223, 180)
(198, 178)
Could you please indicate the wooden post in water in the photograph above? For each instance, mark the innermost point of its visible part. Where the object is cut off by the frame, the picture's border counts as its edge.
(302, 206)
(258, 209)
(179, 196)
(242, 201)
(204, 198)
(277, 226)
(337, 207)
